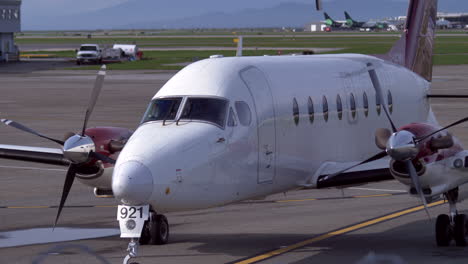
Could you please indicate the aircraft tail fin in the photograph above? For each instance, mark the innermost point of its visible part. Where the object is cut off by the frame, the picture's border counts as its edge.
(347, 16)
(327, 16)
(415, 48)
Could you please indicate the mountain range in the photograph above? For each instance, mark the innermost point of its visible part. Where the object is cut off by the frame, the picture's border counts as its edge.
(156, 14)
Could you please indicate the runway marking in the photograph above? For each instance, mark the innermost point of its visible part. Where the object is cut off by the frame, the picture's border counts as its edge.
(337, 232)
(30, 168)
(373, 195)
(339, 198)
(55, 206)
(302, 200)
(26, 207)
(372, 189)
(277, 201)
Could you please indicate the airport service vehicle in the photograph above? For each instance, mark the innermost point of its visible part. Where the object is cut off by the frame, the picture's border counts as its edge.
(89, 53)
(127, 50)
(224, 130)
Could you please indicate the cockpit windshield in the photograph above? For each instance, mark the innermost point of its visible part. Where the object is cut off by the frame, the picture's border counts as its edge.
(210, 110)
(162, 109)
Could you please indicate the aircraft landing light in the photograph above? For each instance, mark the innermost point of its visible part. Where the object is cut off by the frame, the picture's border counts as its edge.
(338, 232)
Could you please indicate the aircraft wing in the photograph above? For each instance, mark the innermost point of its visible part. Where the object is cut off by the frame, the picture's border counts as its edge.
(33, 154)
(370, 172)
(355, 178)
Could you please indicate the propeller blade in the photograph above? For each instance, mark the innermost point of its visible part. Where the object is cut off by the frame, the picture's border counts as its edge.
(102, 157)
(29, 130)
(418, 140)
(417, 185)
(378, 90)
(318, 4)
(94, 96)
(381, 137)
(373, 158)
(66, 189)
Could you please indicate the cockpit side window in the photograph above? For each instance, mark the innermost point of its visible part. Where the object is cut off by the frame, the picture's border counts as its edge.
(162, 109)
(210, 110)
(231, 119)
(244, 113)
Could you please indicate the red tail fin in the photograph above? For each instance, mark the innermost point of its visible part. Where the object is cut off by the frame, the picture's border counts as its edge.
(415, 48)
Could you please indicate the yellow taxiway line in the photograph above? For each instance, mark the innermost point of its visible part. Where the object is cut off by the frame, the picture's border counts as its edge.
(337, 232)
(335, 198)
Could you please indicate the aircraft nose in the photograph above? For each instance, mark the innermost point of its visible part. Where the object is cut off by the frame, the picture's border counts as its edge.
(132, 183)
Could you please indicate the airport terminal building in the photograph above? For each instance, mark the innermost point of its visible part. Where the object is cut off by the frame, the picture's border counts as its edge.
(455, 18)
(10, 23)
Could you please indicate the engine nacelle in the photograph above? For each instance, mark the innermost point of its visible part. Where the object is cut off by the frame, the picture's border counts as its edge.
(437, 177)
(98, 175)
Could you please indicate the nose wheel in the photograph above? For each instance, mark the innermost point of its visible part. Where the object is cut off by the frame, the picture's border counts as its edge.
(453, 227)
(155, 231)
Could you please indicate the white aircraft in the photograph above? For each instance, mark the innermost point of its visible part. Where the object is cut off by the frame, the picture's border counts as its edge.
(224, 130)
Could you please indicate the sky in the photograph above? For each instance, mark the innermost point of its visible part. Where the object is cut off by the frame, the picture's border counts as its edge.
(48, 14)
(66, 7)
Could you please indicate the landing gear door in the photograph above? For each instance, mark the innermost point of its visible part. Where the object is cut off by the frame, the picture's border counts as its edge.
(258, 86)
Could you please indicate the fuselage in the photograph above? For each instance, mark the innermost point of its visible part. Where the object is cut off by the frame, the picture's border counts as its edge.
(276, 121)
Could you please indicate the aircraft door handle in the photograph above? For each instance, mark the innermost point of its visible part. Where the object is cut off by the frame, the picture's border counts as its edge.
(221, 140)
(269, 153)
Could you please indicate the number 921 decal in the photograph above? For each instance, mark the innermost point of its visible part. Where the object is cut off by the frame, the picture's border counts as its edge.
(132, 212)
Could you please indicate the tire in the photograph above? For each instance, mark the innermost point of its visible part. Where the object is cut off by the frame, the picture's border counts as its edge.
(78, 62)
(159, 230)
(460, 230)
(443, 231)
(145, 234)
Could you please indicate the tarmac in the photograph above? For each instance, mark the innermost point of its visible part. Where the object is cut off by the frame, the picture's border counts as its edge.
(352, 225)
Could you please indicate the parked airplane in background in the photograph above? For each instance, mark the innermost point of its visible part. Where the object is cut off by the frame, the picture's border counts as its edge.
(369, 25)
(223, 130)
(332, 23)
(350, 22)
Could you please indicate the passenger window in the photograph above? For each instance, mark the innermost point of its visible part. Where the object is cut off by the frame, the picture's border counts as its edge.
(366, 104)
(310, 106)
(295, 112)
(231, 119)
(325, 108)
(339, 107)
(378, 104)
(390, 102)
(352, 103)
(243, 112)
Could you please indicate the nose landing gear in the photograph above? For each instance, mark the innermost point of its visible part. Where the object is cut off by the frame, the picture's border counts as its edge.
(453, 227)
(143, 224)
(155, 231)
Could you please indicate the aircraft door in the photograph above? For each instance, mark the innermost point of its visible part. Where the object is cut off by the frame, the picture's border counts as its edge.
(258, 86)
